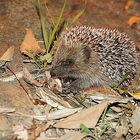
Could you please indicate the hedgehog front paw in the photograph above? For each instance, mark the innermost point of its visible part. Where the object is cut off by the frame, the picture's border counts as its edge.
(71, 89)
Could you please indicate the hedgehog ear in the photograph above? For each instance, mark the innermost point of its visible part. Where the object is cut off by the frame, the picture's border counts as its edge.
(86, 52)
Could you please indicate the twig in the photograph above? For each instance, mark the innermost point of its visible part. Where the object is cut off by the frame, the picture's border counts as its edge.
(22, 85)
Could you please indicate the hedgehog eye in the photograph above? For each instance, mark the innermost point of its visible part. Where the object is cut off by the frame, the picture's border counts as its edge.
(68, 62)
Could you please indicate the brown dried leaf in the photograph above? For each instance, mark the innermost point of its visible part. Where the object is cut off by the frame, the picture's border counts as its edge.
(8, 55)
(104, 90)
(12, 77)
(72, 136)
(55, 85)
(45, 138)
(57, 102)
(123, 128)
(62, 113)
(29, 78)
(29, 45)
(6, 109)
(21, 132)
(135, 120)
(133, 20)
(128, 5)
(136, 95)
(89, 117)
(35, 133)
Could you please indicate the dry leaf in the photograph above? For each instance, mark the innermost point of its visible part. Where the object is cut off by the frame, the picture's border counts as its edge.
(6, 109)
(72, 136)
(30, 46)
(104, 90)
(111, 99)
(30, 78)
(8, 55)
(135, 120)
(89, 117)
(12, 77)
(45, 138)
(48, 95)
(118, 138)
(136, 95)
(35, 133)
(128, 5)
(123, 128)
(62, 113)
(55, 84)
(21, 132)
(133, 20)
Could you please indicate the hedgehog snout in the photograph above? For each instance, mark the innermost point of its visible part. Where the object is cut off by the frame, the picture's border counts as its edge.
(53, 72)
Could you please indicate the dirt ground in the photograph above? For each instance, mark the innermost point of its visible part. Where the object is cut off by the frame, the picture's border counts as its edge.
(16, 16)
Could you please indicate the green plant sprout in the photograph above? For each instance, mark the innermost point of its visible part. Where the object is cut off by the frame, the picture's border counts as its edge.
(84, 129)
(50, 38)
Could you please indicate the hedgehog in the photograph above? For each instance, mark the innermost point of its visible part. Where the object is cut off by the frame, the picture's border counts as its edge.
(93, 57)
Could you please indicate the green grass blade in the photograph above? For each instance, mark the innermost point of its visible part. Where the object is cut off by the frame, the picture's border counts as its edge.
(84, 129)
(76, 17)
(56, 26)
(51, 18)
(42, 22)
(125, 77)
(45, 36)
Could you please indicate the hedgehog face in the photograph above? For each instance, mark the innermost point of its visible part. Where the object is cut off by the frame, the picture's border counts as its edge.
(69, 61)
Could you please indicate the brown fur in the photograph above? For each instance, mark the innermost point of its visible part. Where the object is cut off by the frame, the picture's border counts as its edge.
(85, 62)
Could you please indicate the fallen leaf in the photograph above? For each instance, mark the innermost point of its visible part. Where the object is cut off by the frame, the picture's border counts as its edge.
(104, 90)
(6, 109)
(137, 136)
(12, 77)
(48, 96)
(133, 20)
(135, 120)
(111, 99)
(118, 138)
(30, 46)
(30, 78)
(62, 113)
(123, 128)
(21, 132)
(128, 5)
(55, 84)
(89, 117)
(72, 136)
(8, 55)
(136, 95)
(35, 133)
(45, 138)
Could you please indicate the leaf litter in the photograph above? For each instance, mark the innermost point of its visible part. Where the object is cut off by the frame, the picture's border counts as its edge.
(99, 111)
